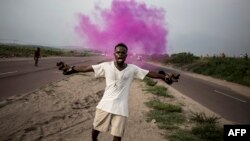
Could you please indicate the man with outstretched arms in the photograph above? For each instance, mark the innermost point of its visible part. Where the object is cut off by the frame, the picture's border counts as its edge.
(112, 110)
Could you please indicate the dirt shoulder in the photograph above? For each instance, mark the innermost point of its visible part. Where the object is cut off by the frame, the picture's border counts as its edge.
(64, 111)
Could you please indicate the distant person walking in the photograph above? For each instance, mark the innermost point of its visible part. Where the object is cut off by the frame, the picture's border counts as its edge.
(37, 56)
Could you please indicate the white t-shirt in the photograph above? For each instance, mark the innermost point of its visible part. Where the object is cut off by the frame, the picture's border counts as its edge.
(115, 97)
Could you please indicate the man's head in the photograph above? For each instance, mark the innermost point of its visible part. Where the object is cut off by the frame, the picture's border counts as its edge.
(120, 53)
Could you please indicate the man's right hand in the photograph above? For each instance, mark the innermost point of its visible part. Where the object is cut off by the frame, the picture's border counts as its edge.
(67, 70)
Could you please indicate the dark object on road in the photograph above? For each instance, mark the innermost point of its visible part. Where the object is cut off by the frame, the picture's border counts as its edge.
(170, 77)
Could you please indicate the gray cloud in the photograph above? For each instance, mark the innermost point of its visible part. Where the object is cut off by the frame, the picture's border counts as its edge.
(197, 26)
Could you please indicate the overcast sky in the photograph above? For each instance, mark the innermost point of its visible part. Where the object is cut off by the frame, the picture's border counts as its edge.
(197, 26)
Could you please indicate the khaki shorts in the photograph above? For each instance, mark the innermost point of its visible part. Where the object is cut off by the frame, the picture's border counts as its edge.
(104, 121)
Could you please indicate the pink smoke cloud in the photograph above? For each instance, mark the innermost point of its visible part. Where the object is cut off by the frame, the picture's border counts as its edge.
(140, 27)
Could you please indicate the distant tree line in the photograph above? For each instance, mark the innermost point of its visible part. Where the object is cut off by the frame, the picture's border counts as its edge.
(12, 50)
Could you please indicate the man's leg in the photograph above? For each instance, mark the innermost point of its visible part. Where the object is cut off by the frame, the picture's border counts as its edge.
(95, 134)
(36, 61)
(118, 126)
(101, 123)
(117, 138)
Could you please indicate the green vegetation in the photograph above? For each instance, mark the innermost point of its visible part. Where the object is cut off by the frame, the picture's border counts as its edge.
(183, 58)
(208, 132)
(154, 89)
(149, 81)
(167, 115)
(206, 127)
(232, 69)
(183, 135)
(9, 50)
(201, 118)
(158, 90)
(170, 117)
(157, 105)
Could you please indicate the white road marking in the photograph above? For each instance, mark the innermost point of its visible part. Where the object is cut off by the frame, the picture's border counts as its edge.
(8, 72)
(230, 96)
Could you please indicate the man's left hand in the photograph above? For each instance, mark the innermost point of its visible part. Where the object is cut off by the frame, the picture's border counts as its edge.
(170, 77)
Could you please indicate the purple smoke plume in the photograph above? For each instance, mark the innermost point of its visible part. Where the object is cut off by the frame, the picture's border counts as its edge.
(141, 28)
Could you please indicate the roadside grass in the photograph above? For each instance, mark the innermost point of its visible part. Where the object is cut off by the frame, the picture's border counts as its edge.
(208, 132)
(149, 81)
(235, 70)
(158, 90)
(203, 119)
(158, 105)
(206, 127)
(151, 87)
(168, 116)
(232, 69)
(171, 118)
(183, 135)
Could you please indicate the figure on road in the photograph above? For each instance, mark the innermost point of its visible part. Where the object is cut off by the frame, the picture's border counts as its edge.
(37, 56)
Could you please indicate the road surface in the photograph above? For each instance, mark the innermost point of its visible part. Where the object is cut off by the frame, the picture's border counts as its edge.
(20, 76)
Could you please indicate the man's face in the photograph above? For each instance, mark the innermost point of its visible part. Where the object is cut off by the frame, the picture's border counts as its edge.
(120, 54)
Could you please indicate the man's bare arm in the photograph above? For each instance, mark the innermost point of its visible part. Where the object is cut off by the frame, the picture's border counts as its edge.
(152, 74)
(169, 78)
(67, 70)
(83, 69)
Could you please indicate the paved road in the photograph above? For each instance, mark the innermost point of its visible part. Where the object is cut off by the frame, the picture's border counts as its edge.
(222, 100)
(20, 76)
